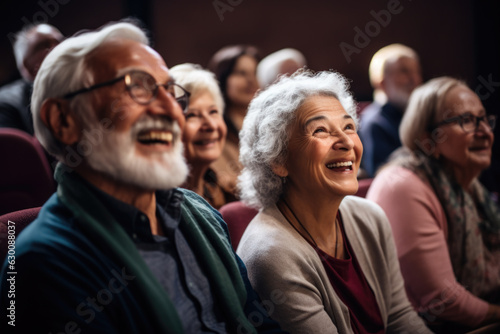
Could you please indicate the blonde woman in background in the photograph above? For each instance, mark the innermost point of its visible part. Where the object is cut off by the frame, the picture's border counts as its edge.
(204, 133)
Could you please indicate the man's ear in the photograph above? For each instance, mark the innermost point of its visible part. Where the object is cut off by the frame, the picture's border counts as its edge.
(29, 69)
(383, 85)
(279, 170)
(60, 120)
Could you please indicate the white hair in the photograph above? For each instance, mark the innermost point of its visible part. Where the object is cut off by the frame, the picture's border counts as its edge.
(268, 69)
(64, 70)
(22, 41)
(197, 81)
(21, 45)
(387, 54)
(377, 68)
(265, 133)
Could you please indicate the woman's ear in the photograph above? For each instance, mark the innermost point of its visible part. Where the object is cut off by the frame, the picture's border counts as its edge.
(279, 170)
(429, 143)
(60, 120)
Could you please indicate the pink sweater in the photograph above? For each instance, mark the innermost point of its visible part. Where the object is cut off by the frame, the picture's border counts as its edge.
(420, 230)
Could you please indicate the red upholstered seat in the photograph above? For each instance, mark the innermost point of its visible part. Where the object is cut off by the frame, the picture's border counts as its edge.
(19, 220)
(237, 216)
(364, 185)
(361, 105)
(26, 179)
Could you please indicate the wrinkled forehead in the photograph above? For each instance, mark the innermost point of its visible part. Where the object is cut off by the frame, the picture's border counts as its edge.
(461, 99)
(316, 106)
(115, 56)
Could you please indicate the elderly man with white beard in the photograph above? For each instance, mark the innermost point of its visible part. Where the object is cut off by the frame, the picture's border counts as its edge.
(119, 248)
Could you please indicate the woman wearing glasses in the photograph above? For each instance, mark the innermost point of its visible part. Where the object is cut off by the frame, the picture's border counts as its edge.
(204, 133)
(446, 226)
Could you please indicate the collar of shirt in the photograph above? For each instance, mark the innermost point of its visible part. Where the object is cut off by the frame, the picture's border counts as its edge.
(135, 222)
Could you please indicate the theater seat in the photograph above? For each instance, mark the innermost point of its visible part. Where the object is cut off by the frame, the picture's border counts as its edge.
(19, 220)
(237, 216)
(490, 329)
(361, 106)
(364, 185)
(26, 179)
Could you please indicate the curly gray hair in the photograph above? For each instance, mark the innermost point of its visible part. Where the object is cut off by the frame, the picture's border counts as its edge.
(265, 133)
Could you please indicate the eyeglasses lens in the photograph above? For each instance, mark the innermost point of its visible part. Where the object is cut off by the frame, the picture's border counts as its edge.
(470, 123)
(143, 89)
(181, 96)
(141, 86)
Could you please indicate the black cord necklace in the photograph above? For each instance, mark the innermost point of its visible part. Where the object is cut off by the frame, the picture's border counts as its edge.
(336, 236)
(309, 234)
(297, 219)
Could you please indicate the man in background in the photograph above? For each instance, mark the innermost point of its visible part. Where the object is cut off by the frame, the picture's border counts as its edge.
(282, 62)
(394, 73)
(31, 46)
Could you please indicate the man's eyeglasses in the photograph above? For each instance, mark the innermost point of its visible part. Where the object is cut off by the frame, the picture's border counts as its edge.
(469, 122)
(142, 88)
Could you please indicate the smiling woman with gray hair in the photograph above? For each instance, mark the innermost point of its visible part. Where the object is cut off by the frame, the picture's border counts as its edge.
(324, 261)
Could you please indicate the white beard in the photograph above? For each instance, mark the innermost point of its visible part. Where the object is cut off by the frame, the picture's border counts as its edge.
(115, 156)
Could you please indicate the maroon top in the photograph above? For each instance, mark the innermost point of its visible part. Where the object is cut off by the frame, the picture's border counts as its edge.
(351, 286)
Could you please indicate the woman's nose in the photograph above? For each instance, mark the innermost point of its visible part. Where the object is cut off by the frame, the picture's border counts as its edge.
(343, 142)
(208, 123)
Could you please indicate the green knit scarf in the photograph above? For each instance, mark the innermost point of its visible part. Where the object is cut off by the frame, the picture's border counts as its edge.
(201, 227)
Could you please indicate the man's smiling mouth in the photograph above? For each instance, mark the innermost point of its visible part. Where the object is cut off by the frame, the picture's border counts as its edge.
(151, 137)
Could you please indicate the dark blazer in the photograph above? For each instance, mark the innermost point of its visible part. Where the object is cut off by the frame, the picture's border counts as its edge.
(15, 100)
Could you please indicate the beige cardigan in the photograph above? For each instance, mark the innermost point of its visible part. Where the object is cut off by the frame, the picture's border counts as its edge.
(291, 280)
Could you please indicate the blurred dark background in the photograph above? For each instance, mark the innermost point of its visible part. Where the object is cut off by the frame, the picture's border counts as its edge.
(460, 38)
